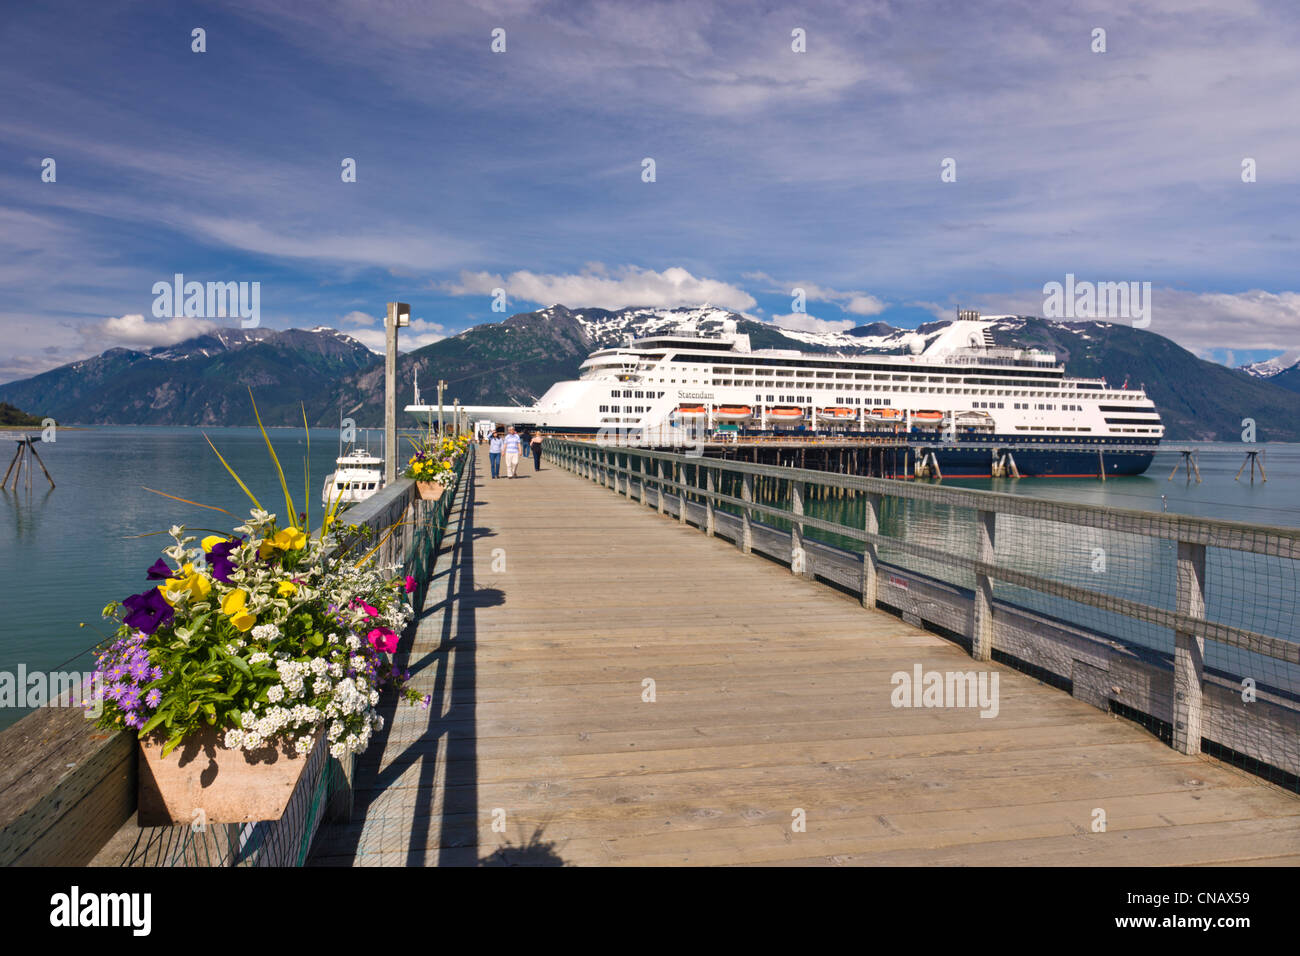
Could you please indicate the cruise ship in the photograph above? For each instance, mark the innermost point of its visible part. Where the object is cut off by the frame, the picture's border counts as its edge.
(979, 409)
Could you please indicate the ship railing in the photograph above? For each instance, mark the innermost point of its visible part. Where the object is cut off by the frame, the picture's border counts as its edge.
(1188, 625)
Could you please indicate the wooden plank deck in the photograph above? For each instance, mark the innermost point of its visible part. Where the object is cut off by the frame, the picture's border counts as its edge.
(554, 599)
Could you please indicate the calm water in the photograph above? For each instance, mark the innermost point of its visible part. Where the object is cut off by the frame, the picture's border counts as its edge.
(65, 553)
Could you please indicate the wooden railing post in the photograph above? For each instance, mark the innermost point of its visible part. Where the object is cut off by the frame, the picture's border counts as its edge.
(681, 493)
(709, 487)
(798, 557)
(746, 515)
(981, 644)
(1189, 649)
(870, 555)
(659, 497)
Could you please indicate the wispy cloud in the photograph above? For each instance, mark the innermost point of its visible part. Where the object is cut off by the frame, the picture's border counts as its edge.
(601, 287)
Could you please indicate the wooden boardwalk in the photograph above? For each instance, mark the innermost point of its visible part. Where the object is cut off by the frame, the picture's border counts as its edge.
(554, 599)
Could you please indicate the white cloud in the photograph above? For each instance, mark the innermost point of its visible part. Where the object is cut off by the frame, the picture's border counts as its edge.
(135, 331)
(855, 301)
(419, 334)
(360, 318)
(598, 286)
(802, 322)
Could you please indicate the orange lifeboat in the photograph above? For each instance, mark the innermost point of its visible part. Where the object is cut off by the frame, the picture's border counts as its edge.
(785, 414)
(691, 413)
(885, 416)
(733, 414)
(927, 417)
(838, 415)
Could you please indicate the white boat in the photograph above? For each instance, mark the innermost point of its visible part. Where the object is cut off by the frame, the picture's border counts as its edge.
(651, 387)
(359, 475)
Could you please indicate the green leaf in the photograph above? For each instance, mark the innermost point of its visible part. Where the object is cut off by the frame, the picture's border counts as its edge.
(173, 743)
(241, 664)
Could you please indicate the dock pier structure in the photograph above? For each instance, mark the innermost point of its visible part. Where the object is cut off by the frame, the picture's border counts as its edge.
(647, 658)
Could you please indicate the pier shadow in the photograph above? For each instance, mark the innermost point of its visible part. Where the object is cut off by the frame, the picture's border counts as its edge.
(451, 735)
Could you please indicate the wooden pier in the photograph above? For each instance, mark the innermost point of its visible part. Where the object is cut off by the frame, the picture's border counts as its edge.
(767, 735)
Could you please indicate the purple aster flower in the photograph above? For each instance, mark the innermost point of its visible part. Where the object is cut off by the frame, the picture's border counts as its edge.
(114, 691)
(159, 571)
(149, 611)
(134, 720)
(139, 668)
(116, 672)
(155, 673)
(153, 698)
(129, 699)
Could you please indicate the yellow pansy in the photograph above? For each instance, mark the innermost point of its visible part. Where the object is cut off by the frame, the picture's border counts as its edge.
(212, 540)
(286, 588)
(187, 581)
(289, 539)
(233, 606)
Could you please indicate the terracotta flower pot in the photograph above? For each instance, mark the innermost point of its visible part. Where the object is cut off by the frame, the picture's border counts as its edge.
(430, 490)
(229, 786)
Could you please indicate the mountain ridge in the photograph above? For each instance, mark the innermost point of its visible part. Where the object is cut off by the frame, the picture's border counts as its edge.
(205, 380)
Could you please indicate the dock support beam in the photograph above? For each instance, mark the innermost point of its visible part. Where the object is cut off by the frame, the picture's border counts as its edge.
(1189, 649)
(870, 557)
(981, 642)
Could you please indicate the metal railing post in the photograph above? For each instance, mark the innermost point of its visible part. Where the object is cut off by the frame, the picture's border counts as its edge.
(981, 643)
(1189, 649)
(870, 555)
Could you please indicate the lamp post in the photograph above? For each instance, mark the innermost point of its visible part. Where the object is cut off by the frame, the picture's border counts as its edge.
(399, 315)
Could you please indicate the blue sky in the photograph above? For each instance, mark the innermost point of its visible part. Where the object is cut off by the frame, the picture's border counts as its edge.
(523, 169)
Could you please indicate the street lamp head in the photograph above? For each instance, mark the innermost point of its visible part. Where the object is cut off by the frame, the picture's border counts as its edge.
(400, 314)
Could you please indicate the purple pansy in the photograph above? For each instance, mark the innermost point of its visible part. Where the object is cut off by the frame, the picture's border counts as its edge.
(149, 611)
(219, 560)
(159, 571)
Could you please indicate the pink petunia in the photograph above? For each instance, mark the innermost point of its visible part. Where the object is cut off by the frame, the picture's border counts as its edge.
(410, 584)
(370, 611)
(383, 639)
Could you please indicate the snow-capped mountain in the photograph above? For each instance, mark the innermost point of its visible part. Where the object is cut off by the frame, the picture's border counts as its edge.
(1271, 367)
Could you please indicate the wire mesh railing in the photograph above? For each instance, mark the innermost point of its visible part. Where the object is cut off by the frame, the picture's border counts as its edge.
(1207, 608)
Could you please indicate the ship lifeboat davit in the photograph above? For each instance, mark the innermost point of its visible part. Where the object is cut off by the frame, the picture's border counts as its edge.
(785, 415)
(837, 415)
(733, 414)
(885, 416)
(690, 413)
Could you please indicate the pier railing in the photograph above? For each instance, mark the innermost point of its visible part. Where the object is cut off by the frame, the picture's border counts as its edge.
(68, 790)
(1188, 625)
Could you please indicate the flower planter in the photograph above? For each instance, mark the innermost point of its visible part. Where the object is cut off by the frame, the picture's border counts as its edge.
(229, 786)
(430, 490)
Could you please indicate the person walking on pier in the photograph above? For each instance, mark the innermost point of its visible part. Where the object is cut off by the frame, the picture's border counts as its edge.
(536, 442)
(494, 454)
(512, 447)
(527, 444)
